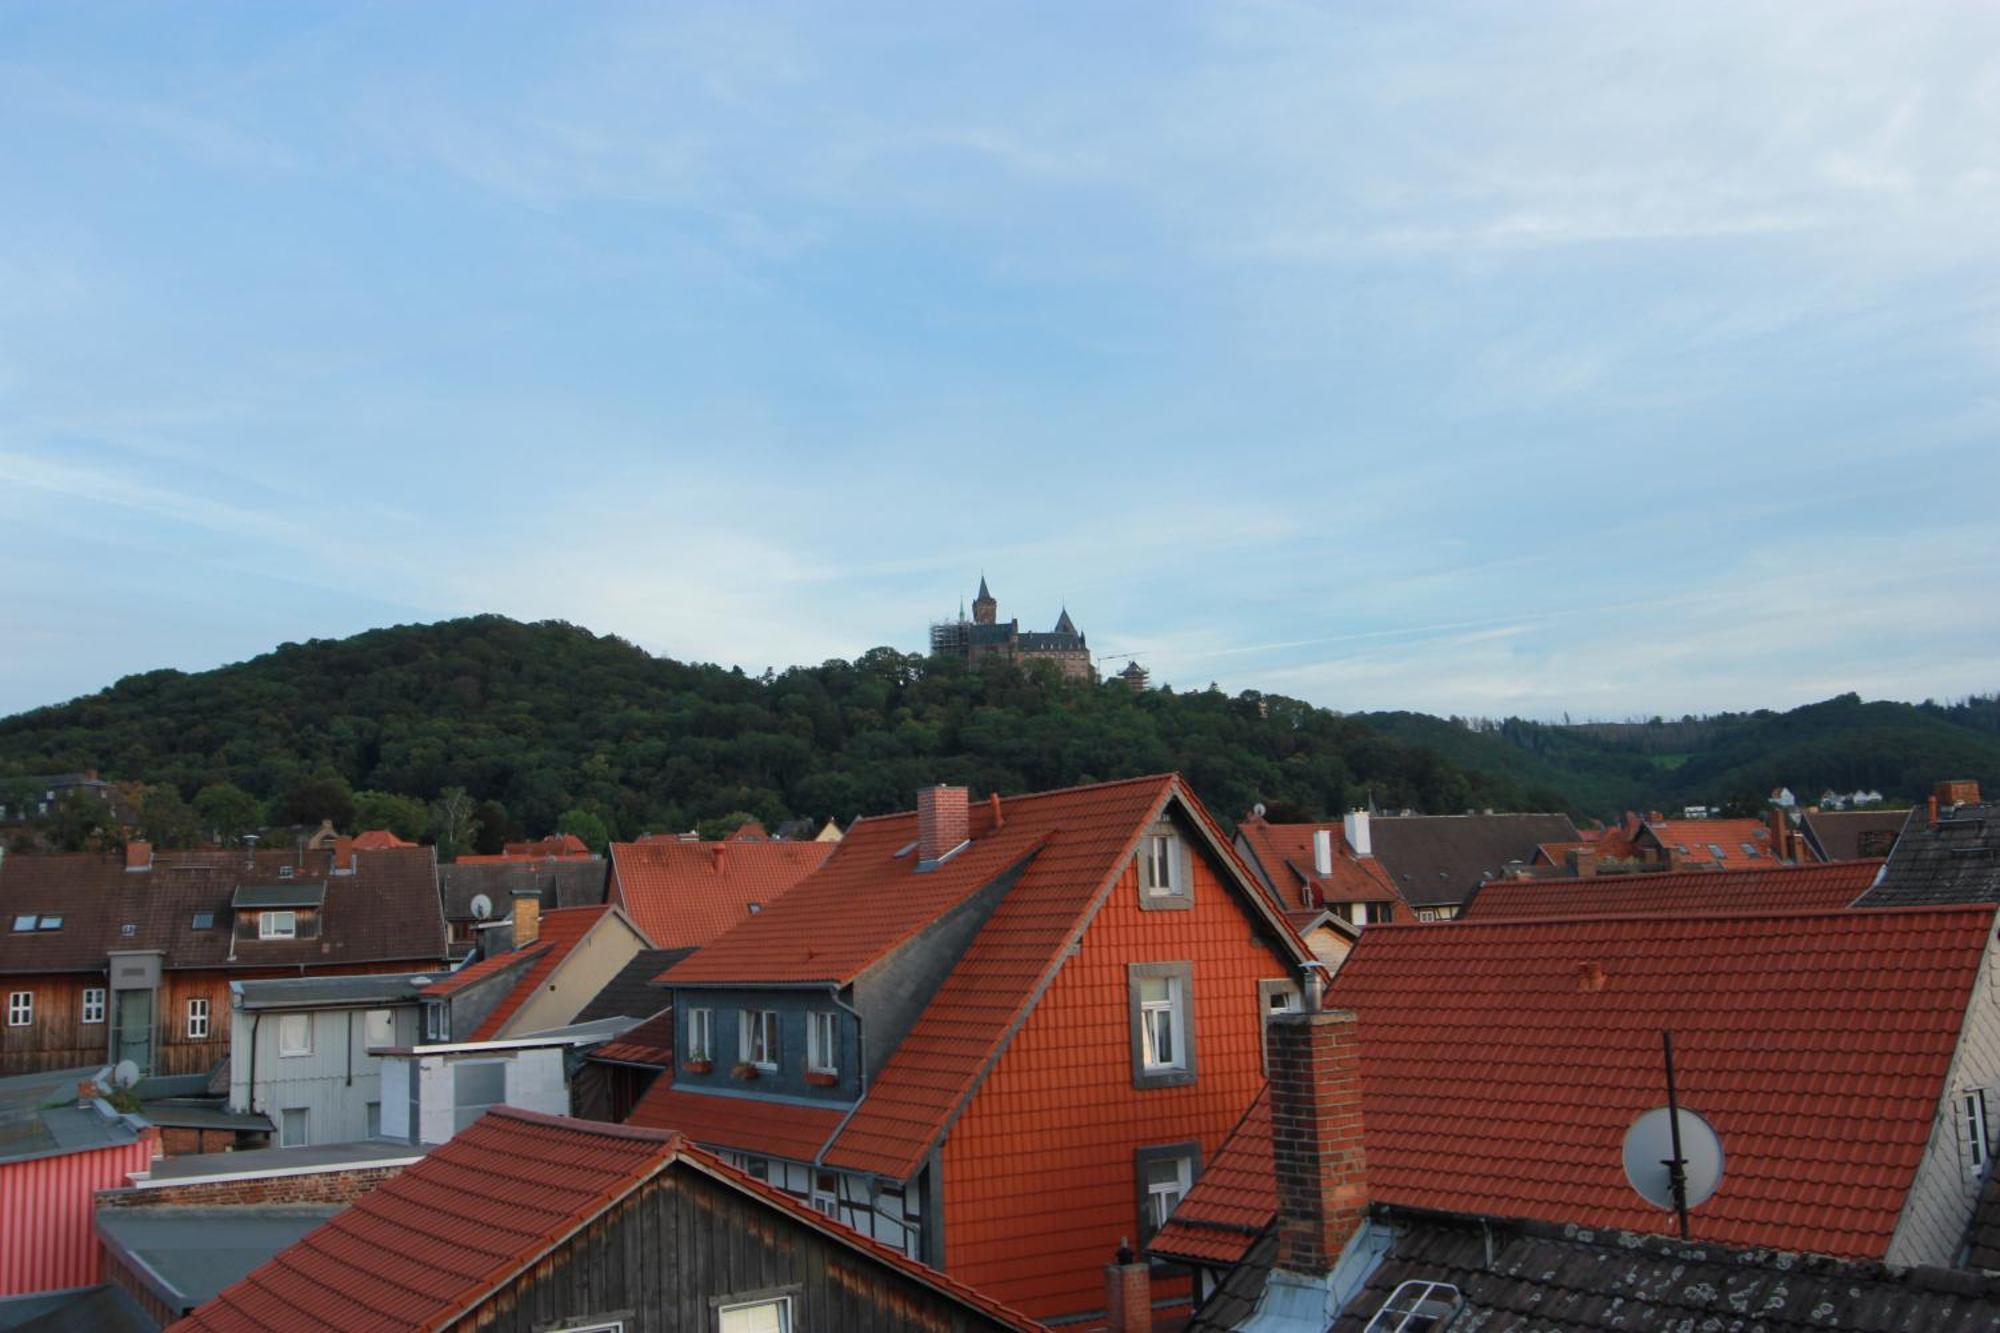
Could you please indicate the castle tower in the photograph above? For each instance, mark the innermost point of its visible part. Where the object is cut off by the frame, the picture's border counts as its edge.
(984, 609)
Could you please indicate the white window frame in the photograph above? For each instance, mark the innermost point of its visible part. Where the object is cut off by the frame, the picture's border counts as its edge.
(267, 924)
(93, 1004)
(826, 1201)
(1972, 1111)
(1172, 1013)
(783, 1305)
(1159, 866)
(437, 1021)
(1158, 1209)
(701, 1034)
(753, 1024)
(285, 1027)
(822, 1042)
(20, 1009)
(197, 1019)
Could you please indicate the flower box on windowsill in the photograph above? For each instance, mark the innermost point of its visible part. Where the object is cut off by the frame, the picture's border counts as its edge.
(821, 1078)
(700, 1065)
(745, 1071)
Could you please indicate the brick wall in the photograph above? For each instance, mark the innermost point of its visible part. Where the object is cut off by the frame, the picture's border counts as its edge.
(1316, 1137)
(317, 1187)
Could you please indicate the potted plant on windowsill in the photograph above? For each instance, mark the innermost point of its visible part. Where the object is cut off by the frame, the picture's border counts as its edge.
(744, 1070)
(821, 1078)
(699, 1064)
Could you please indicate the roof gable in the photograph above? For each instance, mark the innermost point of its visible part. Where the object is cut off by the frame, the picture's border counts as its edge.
(687, 894)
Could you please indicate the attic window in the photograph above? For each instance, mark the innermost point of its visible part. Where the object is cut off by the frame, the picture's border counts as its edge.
(204, 921)
(1416, 1306)
(129, 929)
(25, 922)
(1715, 850)
(50, 923)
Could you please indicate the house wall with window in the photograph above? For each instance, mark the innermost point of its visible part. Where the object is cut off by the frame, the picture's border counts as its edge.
(1058, 1156)
(430, 1094)
(688, 1253)
(315, 1064)
(788, 1074)
(60, 1030)
(1958, 1157)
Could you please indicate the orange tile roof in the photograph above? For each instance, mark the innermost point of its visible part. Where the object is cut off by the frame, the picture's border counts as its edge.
(1232, 1203)
(1818, 1044)
(1285, 852)
(479, 971)
(650, 1043)
(378, 839)
(1677, 893)
(685, 894)
(432, 1245)
(1695, 841)
(747, 1124)
(562, 929)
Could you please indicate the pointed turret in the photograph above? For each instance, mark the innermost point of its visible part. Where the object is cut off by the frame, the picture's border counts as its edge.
(1064, 625)
(985, 611)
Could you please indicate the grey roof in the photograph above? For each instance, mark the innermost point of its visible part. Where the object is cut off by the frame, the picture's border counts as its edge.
(1436, 860)
(288, 893)
(1548, 1279)
(1956, 862)
(370, 990)
(99, 1309)
(1032, 641)
(191, 1254)
(64, 1129)
(1983, 1237)
(267, 1161)
(203, 1115)
(1850, 835)
(561, 884)
(631, 993)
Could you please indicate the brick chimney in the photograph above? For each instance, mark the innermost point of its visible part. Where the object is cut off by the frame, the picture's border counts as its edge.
(1582, 862)
(527, 917)
(343, 856)
(1781, 834)
(1316, 1137)
(1128, 1294)
(138, 855)
(1958, 791)
(944, 821)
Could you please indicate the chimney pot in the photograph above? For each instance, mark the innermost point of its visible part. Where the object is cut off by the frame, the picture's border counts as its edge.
(944, 821)
(1360, 840)
(999, 815)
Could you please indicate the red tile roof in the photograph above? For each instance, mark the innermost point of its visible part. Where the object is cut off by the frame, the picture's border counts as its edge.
(428, 1247)
(1232, 1203)
(650, 1043)
(1678, 893)
(385, 911)
(1816, 1043)
(685, 894)
(782, 1129)
(1285, 853)
(378, 839)
(1693, 842)
(561, 931)
(484, 968)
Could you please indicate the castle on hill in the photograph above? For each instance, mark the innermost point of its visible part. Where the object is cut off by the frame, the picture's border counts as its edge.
(986, 636)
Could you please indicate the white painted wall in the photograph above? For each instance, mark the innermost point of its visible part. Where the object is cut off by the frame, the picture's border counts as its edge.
(533, 1082)
(334, 1084)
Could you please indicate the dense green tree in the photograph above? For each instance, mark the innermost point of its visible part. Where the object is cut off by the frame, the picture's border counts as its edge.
(452, 826)
(80, 822)
(165, 820)
(495, 828)
(226, 811)
(320, 797)
(404, 816)
(587, 826)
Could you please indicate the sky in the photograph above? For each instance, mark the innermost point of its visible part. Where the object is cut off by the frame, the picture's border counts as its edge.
(1545, 359)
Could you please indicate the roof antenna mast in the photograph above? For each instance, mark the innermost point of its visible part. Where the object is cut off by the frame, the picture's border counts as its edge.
(1677, 1164)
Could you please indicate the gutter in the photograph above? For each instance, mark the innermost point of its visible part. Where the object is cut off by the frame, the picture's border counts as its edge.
(860, 1068)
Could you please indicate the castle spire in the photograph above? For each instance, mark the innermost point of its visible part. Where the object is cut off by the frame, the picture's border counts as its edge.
(1064, 625)
(985, 611)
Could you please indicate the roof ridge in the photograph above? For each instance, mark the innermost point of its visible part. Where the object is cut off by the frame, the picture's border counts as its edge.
(1750, 913)
(574, 1125)
(1168, 775)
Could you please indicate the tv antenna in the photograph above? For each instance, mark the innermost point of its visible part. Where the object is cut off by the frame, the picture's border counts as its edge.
(1673, 1157)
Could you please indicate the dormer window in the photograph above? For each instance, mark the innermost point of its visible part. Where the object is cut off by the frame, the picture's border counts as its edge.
(1164, 869)
(278, 925)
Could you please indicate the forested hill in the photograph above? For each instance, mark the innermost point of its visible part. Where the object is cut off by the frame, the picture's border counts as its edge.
(543, 720)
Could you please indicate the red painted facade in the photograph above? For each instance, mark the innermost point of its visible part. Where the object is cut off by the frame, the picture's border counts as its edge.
(47, 1240)
(1040, 1173)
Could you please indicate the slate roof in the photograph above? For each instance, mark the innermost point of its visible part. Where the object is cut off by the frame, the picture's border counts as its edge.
(386, 911)
(1283, 856)
(1956, 862)
(1677, 893)
(686, 894)
(561, 884)
(367, 990)
(651, 1043)
(1838, 835)
(632, 994)
(1232, 1204)
(430, 1244)
(1503, 1062)
(1436, 860)
(1559, 1281)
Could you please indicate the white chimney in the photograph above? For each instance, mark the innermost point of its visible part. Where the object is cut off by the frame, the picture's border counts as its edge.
(1359, 841)
(1323, 851)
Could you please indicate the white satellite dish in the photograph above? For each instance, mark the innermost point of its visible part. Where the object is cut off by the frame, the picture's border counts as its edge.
(126, 1074)
(1649, 1151)
(1257, 810)
(482, 907)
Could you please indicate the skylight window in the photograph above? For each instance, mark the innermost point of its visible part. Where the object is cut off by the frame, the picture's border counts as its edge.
(1715, 850)
(51, 923)
(204, 921)
(1416, 1306)
(25, 922)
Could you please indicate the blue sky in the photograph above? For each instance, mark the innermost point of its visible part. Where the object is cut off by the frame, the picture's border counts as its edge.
(1496, 359)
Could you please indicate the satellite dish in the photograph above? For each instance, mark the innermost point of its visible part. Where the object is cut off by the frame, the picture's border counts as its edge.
(126, 1074)
(1257, 810)
(1649, 1148)
(482, 907)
